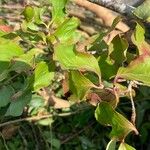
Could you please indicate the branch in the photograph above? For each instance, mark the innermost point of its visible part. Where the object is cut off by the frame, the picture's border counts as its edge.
(103, 13)
(36, 118)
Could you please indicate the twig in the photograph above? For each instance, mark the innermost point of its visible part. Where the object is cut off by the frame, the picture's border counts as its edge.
(35, 118)
(133, 116)
(103, 13)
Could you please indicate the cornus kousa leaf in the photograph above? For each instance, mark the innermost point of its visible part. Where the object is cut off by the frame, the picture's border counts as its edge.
(9, 50)
(138, 38)
(124, 146)
(79, 84)
(137, 70)
(143, 11)
(111, 145)
(18, 103)
(43, 75)
(70, 59)
(5, 95)
(58, 11)
(118, 49)
(106, 115)
(65, 32)
(28, 13)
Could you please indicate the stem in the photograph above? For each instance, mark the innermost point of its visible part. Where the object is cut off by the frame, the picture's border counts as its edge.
(35, 118)
(133, 116)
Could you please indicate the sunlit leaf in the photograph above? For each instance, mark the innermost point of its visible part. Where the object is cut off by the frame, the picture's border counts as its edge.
(9, 50)
(58, 10)
(70, 59)
(66, 32)
(28, 13)
(138, 38)
(143, 11)
(124, 146)
(111, 145)
(43, 75)
(137, 70)
(106, 115)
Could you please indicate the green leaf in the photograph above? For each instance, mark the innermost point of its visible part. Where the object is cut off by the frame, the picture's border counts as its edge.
(137, 70)
(26, 61)
(17, 105)
(124, 146)
(46, 122)
(106, 115)
(143, 11)
(9, 50)
(118, 49)
(111, 145)
(36, 101)
(106, 64)
(5, 95)
(65, 32)
(79, 84)
(73, 60)
(28, 13)
(58, 11)
(4, 70)
(138, 38)
(38, 14)
(43, 75)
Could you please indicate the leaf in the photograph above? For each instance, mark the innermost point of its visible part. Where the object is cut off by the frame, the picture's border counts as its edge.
(79, 84)
(73, 60)
(118, 49)
(43, 75)
(26, 61)
(108, 66)
(106, 115)
(16, 106)
(111, 145)
(9, 50)
(38, 14)
(138, 38)
(124, 146)
(137, 70)
(36, 101)
(5, 95)
(143, 11)
(58, 11)
(28, 13)
(45, 122)
(65, 32)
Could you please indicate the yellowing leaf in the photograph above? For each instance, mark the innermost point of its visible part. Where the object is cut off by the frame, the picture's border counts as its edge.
(111, 145)
(124, 146)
